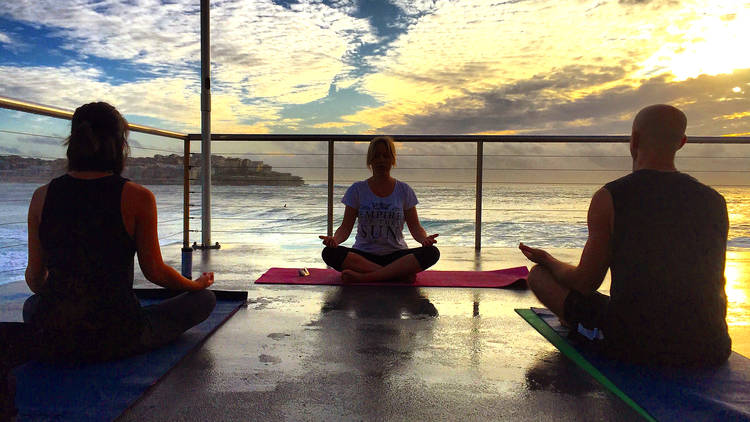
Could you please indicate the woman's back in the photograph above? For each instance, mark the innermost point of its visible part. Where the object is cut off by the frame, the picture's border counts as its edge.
(89, 256)
(84, 230)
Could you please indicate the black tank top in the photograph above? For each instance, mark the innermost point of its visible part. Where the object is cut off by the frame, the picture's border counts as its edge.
(89, 256)
(668, 303)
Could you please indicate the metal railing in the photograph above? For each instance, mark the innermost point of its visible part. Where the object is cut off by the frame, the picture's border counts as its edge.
(478, 140)
(331, 140)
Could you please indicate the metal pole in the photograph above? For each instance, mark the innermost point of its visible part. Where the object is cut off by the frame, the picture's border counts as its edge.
(478, 225)
(330, 188)
(186, 195)
(187, 251)
(205, 125)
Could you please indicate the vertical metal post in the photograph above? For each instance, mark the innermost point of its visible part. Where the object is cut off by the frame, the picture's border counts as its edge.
(186, 195)
(187, 251)
(478, 225)
(330, 188)
(205, 125)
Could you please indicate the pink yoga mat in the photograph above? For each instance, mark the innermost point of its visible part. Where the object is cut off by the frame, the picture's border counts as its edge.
(509, 277)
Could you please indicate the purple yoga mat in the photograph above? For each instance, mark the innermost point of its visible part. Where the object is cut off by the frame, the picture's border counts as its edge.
(508, 277)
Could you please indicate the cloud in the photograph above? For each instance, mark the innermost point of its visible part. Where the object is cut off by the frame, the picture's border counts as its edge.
(654, 3)
(264, 55)
(285, 55)
(460, 57)
(149, 32)
(529, 107)
(173, 102)
(476, 46)
(336, 125)
(13, 43)
(38, 140)
(416, 7)
(69, 87)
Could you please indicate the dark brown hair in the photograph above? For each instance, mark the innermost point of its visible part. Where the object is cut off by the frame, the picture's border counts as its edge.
(98, 139)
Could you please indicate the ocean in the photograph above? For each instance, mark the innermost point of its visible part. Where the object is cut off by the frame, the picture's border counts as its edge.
(549, 216)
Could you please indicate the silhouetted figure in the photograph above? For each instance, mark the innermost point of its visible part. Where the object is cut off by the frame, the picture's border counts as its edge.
(381, 204)
(663, 234)
(84, 229)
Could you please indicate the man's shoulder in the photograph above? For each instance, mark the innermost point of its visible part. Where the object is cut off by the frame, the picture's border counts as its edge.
(651, 176)
(696, 184)
(624, 180)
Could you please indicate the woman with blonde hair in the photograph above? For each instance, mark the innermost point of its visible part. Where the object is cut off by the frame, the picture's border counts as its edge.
(381, 204)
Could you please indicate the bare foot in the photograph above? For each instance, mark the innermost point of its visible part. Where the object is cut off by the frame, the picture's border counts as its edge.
(564, 323)
(351, 276)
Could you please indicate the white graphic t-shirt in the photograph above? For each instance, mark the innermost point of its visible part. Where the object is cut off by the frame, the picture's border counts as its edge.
(380, 223)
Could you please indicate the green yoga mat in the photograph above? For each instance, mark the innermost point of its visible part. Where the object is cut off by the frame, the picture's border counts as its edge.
(565, 348)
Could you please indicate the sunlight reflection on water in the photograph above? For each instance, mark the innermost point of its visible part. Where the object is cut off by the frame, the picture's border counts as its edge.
(736, 274)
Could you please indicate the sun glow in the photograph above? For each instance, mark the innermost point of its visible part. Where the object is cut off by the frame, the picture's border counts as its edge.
(736, 287)
(710, 45)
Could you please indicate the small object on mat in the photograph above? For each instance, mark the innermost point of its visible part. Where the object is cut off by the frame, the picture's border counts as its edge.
(303, 272)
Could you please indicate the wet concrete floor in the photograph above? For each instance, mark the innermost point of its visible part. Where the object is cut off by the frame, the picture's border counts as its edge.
(360, 353)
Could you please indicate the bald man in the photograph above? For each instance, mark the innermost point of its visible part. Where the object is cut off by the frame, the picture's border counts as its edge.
(663, 234)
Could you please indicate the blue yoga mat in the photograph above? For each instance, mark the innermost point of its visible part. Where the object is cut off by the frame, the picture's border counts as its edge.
(666, 394)
(102, 391)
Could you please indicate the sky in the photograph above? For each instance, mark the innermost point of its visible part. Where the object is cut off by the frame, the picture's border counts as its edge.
(378, 66)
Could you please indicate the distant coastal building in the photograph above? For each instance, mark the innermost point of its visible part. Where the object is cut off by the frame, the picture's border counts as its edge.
(157, 170)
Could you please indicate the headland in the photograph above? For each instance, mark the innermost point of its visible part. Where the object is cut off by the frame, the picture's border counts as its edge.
(156, 170)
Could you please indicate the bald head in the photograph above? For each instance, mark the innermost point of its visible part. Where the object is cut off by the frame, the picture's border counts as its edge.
(660, 127)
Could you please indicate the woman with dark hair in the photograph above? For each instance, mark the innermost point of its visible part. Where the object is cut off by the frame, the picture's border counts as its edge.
(381, 204)
(84, 229)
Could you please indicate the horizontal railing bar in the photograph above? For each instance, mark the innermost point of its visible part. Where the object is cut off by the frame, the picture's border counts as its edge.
(156, 149)
(470, 181)
(29, 107)
(467, 182)
(12, 246)
(514, 247)
(302, 154)
(485, 168)
(15, 222)
(63, 137)
(572, 183)
(170, 221)
(255, 219)
(31, 134)
(442, 235)
(171, 235)
(427, 210)
(12, 270)
(457, 138)
(679, 157)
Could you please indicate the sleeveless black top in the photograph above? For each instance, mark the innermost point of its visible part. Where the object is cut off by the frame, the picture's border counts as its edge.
(668, 304)
(88, 308)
